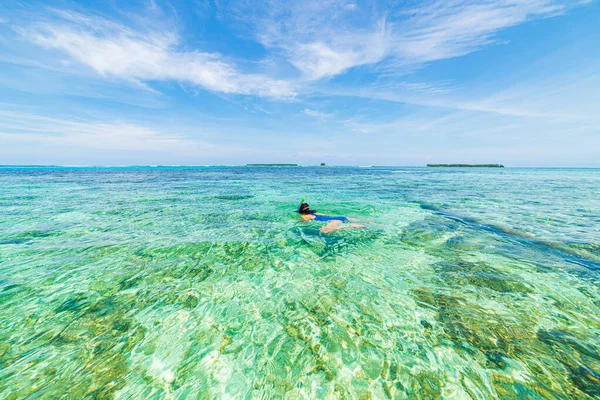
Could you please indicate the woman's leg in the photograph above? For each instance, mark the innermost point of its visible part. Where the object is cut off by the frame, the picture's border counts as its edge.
(332, 226)
(353, 226)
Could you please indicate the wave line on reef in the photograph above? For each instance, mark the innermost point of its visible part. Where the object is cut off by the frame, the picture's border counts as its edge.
(587, 260)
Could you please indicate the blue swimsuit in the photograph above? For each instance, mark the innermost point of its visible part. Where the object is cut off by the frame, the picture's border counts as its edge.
(319, 217)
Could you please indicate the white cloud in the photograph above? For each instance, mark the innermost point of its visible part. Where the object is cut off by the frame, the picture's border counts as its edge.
(316, 113)
(446, 29)
(114, 50)
(320, 59)
(323, 38)
(316, 36)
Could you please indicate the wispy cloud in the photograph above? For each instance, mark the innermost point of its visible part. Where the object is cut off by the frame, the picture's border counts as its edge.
(323, 39)
(320, 39)
(114, 50)
(33, 130)
(446, 29)
(568, 97)
(317, 114)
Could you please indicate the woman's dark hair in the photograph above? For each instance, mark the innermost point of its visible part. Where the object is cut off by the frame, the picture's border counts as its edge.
(305, 209)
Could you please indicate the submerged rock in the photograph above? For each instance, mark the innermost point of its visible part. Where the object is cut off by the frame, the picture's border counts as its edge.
(480, 274)
(580, 359)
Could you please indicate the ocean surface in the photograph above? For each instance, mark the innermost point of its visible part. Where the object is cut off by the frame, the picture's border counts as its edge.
(184, 283)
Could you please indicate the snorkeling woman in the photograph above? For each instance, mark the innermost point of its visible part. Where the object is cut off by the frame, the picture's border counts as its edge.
(333, 223)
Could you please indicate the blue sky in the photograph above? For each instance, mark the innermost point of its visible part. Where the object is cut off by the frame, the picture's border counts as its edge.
(343, 82)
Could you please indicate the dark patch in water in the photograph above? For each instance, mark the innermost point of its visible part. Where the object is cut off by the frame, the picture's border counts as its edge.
(129, 282)
(234, 197)
(580, 359)
(200, 272)
(568, 253)
(28, 237)
(465, 330)
(474, 331)
(38, 234)
(429, 207)
(13, 291)
(24, 197)
(15, 241)
(74, 303)
(591, 247)
(481, 275)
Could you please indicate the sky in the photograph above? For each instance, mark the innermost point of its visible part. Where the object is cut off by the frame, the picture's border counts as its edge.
(230, 82)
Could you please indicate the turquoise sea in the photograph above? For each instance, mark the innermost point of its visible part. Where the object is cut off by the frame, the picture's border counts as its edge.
(186, 283)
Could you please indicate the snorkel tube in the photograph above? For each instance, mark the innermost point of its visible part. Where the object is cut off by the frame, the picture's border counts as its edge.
(301, 202)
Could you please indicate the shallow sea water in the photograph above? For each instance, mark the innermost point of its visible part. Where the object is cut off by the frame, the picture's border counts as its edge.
(191, 283)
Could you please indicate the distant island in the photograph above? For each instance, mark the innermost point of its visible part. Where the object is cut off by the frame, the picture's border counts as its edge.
(271, 165)
(466, 165)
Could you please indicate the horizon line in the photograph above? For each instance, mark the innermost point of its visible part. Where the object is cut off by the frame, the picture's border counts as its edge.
(259, 166)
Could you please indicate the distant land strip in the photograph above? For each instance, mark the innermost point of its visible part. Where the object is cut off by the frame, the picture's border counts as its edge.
(466, 165)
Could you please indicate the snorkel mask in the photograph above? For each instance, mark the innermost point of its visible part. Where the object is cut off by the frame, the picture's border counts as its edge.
(300, 205)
